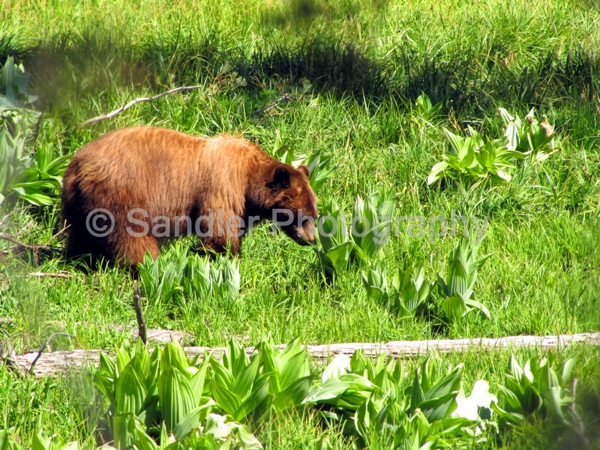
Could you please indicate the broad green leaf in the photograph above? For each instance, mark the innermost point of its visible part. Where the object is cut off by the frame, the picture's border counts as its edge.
(294, 395)
(225, 398)
(511, 417)
(296, 367)
(454, 307)
(130, 392)
(450, 383)
(175, 396)
(479, 306)
(197, 381)
(437, 172)
(246, 378)
(192, 420)
(256, 399)
(340, 255)
(39, 442)
(375, 238)
(567, 368)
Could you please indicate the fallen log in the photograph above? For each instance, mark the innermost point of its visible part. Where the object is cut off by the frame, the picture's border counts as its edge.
(56, 362)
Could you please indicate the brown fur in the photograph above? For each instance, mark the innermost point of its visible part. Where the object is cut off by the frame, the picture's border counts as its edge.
(172, 174)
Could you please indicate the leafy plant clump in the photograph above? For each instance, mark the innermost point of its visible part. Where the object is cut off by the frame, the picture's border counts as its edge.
(537, 388)
(472, 158)
(370, 230)
(383, 408)
(33, 177)
(15, 98)
(406, 294)
(157, 400)
(456, 289)
(319, 167)
(175, 273)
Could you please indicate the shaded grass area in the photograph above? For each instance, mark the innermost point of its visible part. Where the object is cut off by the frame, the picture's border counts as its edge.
(469, 59)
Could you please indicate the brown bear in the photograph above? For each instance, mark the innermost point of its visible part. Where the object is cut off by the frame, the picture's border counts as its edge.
(129, 189)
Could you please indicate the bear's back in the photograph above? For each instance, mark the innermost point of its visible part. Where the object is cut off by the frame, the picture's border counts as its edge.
(164, 170)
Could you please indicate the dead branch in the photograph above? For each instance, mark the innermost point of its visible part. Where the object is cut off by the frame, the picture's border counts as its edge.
(53, 363)
(61, 231)
(264, 109)
(6, 217)
(139, 313)
(39, 353)
(138, 100)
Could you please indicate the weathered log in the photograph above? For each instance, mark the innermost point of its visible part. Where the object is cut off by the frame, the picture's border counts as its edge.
(56, 362)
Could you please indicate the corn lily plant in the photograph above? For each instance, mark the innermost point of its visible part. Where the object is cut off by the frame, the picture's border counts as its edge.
(529, 136)
(370, 230)
(379, 405)
(539, 387)
(371, 224)
(336, 245)
(35, 179)
(160, 396)
(472, 158)
(176, 273)
(319, 167)
(405, 295)
(458, 297)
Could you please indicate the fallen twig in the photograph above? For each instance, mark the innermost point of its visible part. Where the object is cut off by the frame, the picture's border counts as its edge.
(138, 100)
(264, 109)
(61, 231)
(35, 248)
(6, 217)
(39, 354)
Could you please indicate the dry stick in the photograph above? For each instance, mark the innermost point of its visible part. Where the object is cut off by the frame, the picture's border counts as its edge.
(54, 236)
(264, 109)
(35, 248)
(138, 100)
(46, 345)
(139, 314)
(6, 217)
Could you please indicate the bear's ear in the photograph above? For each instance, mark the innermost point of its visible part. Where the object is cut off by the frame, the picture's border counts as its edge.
(304, 169)
(281, 178)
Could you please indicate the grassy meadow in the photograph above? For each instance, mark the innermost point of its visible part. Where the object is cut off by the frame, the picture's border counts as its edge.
(353, 70)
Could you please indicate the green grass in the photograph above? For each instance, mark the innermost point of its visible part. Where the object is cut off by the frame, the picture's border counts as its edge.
(353, 69)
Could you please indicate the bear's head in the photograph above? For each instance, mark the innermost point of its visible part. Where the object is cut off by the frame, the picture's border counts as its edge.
(293, 202)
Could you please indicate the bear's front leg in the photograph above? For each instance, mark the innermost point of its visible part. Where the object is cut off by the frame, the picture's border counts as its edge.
(221, 245)
(224, 235)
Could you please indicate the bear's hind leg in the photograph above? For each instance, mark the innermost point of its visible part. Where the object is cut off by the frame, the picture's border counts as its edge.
(131, 251)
